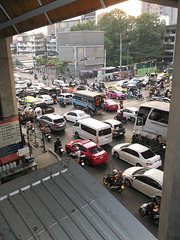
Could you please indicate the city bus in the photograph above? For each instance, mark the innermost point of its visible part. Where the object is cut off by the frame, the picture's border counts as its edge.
(153, 117)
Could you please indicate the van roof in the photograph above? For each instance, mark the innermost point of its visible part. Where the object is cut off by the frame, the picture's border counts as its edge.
(95, 123)
(158, 105)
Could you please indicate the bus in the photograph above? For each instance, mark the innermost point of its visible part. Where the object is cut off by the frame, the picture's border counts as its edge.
(153, 117)
(88, 99)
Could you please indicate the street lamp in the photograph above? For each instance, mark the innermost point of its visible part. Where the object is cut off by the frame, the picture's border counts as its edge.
(127, 57)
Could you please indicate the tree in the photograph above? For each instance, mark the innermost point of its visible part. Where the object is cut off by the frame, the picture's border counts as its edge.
(90, 25)
(147, 37)
(61, 65)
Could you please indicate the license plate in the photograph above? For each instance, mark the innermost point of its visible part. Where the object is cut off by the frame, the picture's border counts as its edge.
(113, 106)
(122, 187)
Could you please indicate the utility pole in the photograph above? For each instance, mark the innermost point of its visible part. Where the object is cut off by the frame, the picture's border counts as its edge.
(120, 53)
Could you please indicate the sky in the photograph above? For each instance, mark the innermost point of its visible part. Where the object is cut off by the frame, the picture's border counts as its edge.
(131, 7)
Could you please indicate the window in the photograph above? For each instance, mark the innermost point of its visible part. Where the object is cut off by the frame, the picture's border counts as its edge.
(88, 129)
(95, 150)
(76, 124)
(60, 120)
(148, 154)
(159, 116)
(105, 132)
(151, 182)
(81, 148)
(134, 153)
(142, 179)
(142, 116)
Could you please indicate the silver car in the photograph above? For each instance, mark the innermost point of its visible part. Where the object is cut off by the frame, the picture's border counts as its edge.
(55, 121)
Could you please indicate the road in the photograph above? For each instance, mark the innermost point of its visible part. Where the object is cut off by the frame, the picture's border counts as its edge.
(130, 198)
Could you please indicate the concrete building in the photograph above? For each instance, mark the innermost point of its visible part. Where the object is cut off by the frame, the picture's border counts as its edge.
(169, 44)
(167, 13)
(75, 46)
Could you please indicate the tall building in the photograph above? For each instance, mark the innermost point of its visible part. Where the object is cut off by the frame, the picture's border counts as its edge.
(164, 12)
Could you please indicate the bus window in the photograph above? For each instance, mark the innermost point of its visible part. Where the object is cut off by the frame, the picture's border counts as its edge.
(142, 116)
(159, 116)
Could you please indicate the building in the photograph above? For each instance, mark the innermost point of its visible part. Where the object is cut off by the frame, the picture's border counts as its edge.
(167, 13)
(169, 44)
(84, 49)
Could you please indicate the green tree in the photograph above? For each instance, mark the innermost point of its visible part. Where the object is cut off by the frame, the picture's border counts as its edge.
(147, 37)
(90, 25)
(61, 65)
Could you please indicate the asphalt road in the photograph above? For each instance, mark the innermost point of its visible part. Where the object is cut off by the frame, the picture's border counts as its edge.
(130, 197)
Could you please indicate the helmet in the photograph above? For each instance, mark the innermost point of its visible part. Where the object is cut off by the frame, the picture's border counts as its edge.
(57, 138)
(155, 200)
(114, 171)
(77, 148)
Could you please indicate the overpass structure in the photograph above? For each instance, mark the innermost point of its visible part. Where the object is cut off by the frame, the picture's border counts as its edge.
(18, 16)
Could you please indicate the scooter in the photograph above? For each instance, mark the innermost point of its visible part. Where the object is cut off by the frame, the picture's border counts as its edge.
(145, 210)
(109, 182)
(120, 118)
(62, 104)
(59, 150)
(80, 161)
(48, 136)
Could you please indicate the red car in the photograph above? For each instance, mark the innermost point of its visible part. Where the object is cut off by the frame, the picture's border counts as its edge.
(110, 105)
(94, 155)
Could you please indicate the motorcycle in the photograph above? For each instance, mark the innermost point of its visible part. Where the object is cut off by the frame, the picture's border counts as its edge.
(138, 95)
(109, 182)
(48, 136)
(120, 118)
(80, 161)
(62, 104)
(145, 210)
(59, 150)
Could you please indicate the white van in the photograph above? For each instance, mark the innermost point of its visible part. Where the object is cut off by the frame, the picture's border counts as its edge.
(94, 130)
(122, 83)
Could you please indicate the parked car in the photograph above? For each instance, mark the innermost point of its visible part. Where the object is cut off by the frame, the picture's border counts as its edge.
(75, 115)
(137, 154)
(115, 94)
(83, 87)
(118, 129)
(60, 83)
(21, 84)
(44, 106)
(130, 113)
(110, 105)
(95, 155)
(67, 97)
(45, 98)
(29, 99)
(55, 121)
(147, 181)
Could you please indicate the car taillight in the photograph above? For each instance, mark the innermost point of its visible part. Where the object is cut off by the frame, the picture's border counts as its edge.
(43, 111)
(124, 127)
(53, 108)
(97, 139)
(114, 130)
(148, 164)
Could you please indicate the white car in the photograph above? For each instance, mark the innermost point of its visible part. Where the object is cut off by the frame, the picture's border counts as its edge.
(38, 85)
(45, 98)
(137, 154)
(147, 181)
(75, 115)
(130, 113)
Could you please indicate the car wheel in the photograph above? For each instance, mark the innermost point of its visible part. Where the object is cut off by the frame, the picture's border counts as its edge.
(128, 183)
(39, 124)
(76, 135)
(116, 155)
(142, 212)
(132, 119)
(86, 161)
(68, 150)
(138, 165)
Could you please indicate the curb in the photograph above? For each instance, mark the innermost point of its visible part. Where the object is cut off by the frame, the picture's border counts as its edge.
(55, 154)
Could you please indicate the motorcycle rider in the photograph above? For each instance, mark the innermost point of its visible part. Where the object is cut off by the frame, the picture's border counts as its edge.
(154, 207)
(57, 144)
(62, 101)
(119, 180)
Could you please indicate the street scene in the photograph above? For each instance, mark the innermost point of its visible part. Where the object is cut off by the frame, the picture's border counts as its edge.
(112, 162)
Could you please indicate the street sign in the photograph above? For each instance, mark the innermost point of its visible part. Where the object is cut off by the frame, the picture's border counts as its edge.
(42, 128)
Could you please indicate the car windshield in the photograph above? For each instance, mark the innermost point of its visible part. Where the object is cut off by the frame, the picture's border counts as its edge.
(140, 171)
(60, 120)
(46, 97)
(95, 149)
(148, 154)
(104, 132)
(118, 126)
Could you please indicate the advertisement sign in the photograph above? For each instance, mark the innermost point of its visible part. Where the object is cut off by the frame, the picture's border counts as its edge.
(10, 136)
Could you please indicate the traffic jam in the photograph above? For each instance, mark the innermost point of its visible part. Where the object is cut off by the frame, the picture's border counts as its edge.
(106, 124)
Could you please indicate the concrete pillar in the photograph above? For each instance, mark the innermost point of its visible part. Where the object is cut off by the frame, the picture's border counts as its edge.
(169, 227)
(7, 90)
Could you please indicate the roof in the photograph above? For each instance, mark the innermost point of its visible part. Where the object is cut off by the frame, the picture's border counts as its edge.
(112, 121)
(138, 147)
(56, 203)
(155, 174)
(93, 122)
(156, 104)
